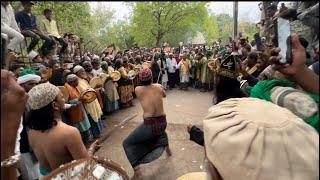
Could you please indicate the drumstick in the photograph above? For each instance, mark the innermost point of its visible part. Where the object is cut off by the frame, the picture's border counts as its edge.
(107, 135)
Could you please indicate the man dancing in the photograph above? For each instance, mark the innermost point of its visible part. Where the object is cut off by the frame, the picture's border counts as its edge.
(150, 137)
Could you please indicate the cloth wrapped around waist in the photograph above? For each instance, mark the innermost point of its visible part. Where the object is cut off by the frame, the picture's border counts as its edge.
(157, 123)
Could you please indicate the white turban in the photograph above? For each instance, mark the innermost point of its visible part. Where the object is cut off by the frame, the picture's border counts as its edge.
(77, 68)
(249, 138)
(28, 77)
(71, 77)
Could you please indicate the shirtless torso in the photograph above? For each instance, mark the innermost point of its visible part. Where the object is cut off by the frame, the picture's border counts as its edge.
(150, 98)
(57, 146)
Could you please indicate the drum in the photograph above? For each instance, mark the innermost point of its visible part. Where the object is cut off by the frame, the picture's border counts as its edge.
(89, 168)
(132, 74)
(195, 176)
(65, 92)
(96, 81)
(104, 77)
(115, 75)
(88, 96)
(147, 64)
(137, 68)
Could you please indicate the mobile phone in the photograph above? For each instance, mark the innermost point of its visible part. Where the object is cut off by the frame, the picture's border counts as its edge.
(284, 40)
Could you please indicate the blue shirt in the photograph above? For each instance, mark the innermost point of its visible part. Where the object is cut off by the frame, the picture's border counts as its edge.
(25, 21)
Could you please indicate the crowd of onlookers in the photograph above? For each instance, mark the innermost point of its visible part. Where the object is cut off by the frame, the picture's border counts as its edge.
(72, 107)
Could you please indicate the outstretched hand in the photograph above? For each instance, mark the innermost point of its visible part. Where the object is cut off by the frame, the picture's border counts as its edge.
(95, 146)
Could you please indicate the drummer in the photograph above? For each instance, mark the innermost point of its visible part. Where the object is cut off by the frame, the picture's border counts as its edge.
(77, 115)
(53, 142)
(93, 109)
(96, 69)
(125, 85)
(111, 95)
(90, 74)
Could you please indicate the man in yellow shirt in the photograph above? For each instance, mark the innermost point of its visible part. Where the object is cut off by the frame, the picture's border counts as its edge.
(50, 28)
(185, 66)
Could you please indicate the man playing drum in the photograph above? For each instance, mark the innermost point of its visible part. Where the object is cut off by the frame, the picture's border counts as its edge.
(150, 135)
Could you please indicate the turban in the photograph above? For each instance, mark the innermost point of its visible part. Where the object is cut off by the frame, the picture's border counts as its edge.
(77, 68)
(71, 77)
(250, 138)
(32, 55)
(28, 75)
(145, 74)
(41, 95)
(103, 63)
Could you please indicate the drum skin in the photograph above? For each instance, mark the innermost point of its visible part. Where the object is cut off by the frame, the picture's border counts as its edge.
(88, 96)
(71, 169)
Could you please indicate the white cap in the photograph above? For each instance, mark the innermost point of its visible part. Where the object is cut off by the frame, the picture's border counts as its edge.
(32, 55)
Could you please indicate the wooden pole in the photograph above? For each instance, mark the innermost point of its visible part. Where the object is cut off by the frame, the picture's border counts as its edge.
(235, 19)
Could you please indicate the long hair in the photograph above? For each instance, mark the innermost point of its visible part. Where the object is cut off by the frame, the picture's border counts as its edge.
(117, 64)
(228, 88)
(42, 119)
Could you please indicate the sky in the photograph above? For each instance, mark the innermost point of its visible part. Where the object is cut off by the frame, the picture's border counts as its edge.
(248, 11)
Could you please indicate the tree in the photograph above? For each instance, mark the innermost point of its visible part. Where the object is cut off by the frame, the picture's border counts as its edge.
(225, 25)
(71, 17)
(154, 21)
(211, 30)
(247, 29)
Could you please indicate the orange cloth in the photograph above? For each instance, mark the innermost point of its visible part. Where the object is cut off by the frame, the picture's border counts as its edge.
(75, 114)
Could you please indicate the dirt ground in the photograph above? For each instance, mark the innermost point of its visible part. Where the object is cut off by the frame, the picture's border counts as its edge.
(181, 108)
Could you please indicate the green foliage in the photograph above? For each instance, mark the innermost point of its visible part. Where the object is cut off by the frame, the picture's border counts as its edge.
(151, 23)
(211, 29)
(71, 17)
(225, 25)
(248, 29)
(154, 22)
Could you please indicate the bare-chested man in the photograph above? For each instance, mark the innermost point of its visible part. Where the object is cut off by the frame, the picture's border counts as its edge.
(53, 142)
(150, 136)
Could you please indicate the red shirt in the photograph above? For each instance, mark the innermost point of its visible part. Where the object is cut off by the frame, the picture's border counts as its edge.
(177, 59)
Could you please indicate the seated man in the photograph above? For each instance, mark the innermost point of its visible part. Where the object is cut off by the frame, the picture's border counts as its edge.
(9, 26)
(53, 142)
(50, 28)
(29, 28)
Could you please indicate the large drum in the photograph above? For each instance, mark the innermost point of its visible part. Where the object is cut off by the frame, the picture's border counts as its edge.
(89, 168)
(132, 74)
(115, 75)
(147, 64)
(96, 81)
(88, 96)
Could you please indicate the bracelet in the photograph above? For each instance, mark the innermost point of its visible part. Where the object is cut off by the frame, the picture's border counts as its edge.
(11, 161)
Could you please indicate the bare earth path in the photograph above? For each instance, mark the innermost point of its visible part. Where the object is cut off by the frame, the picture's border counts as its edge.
(182, 108)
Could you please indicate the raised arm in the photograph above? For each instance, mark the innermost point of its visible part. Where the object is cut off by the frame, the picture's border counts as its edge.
(298, 71)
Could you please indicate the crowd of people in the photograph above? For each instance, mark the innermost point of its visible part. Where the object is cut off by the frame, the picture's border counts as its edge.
(67, 101)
